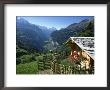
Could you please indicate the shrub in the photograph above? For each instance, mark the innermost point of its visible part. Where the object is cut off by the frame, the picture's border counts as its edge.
(27, 68)
(26, 59)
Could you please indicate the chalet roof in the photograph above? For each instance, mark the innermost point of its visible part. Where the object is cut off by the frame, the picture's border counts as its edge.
(80, 45)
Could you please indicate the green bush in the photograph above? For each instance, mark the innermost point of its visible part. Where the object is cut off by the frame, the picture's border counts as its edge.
(20, 52)
(26, 59)
(39, 58)
(18, 60)
(27, 68)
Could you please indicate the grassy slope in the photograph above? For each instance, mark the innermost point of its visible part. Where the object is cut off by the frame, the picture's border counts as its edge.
(27, 68)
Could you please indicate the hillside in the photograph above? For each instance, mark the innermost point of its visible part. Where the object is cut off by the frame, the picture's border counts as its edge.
(43, 50)
(85, 28)
(30, 36)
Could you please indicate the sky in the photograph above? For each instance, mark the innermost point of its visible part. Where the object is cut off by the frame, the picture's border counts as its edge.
(54, 21)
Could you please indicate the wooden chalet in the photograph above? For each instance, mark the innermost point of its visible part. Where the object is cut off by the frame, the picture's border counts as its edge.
(79, 54)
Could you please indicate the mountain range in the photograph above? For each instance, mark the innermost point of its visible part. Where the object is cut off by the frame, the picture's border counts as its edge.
(32, 37)
(85, 28)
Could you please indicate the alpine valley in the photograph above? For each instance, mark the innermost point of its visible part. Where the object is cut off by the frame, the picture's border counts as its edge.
(34, 37)
(37, 45)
